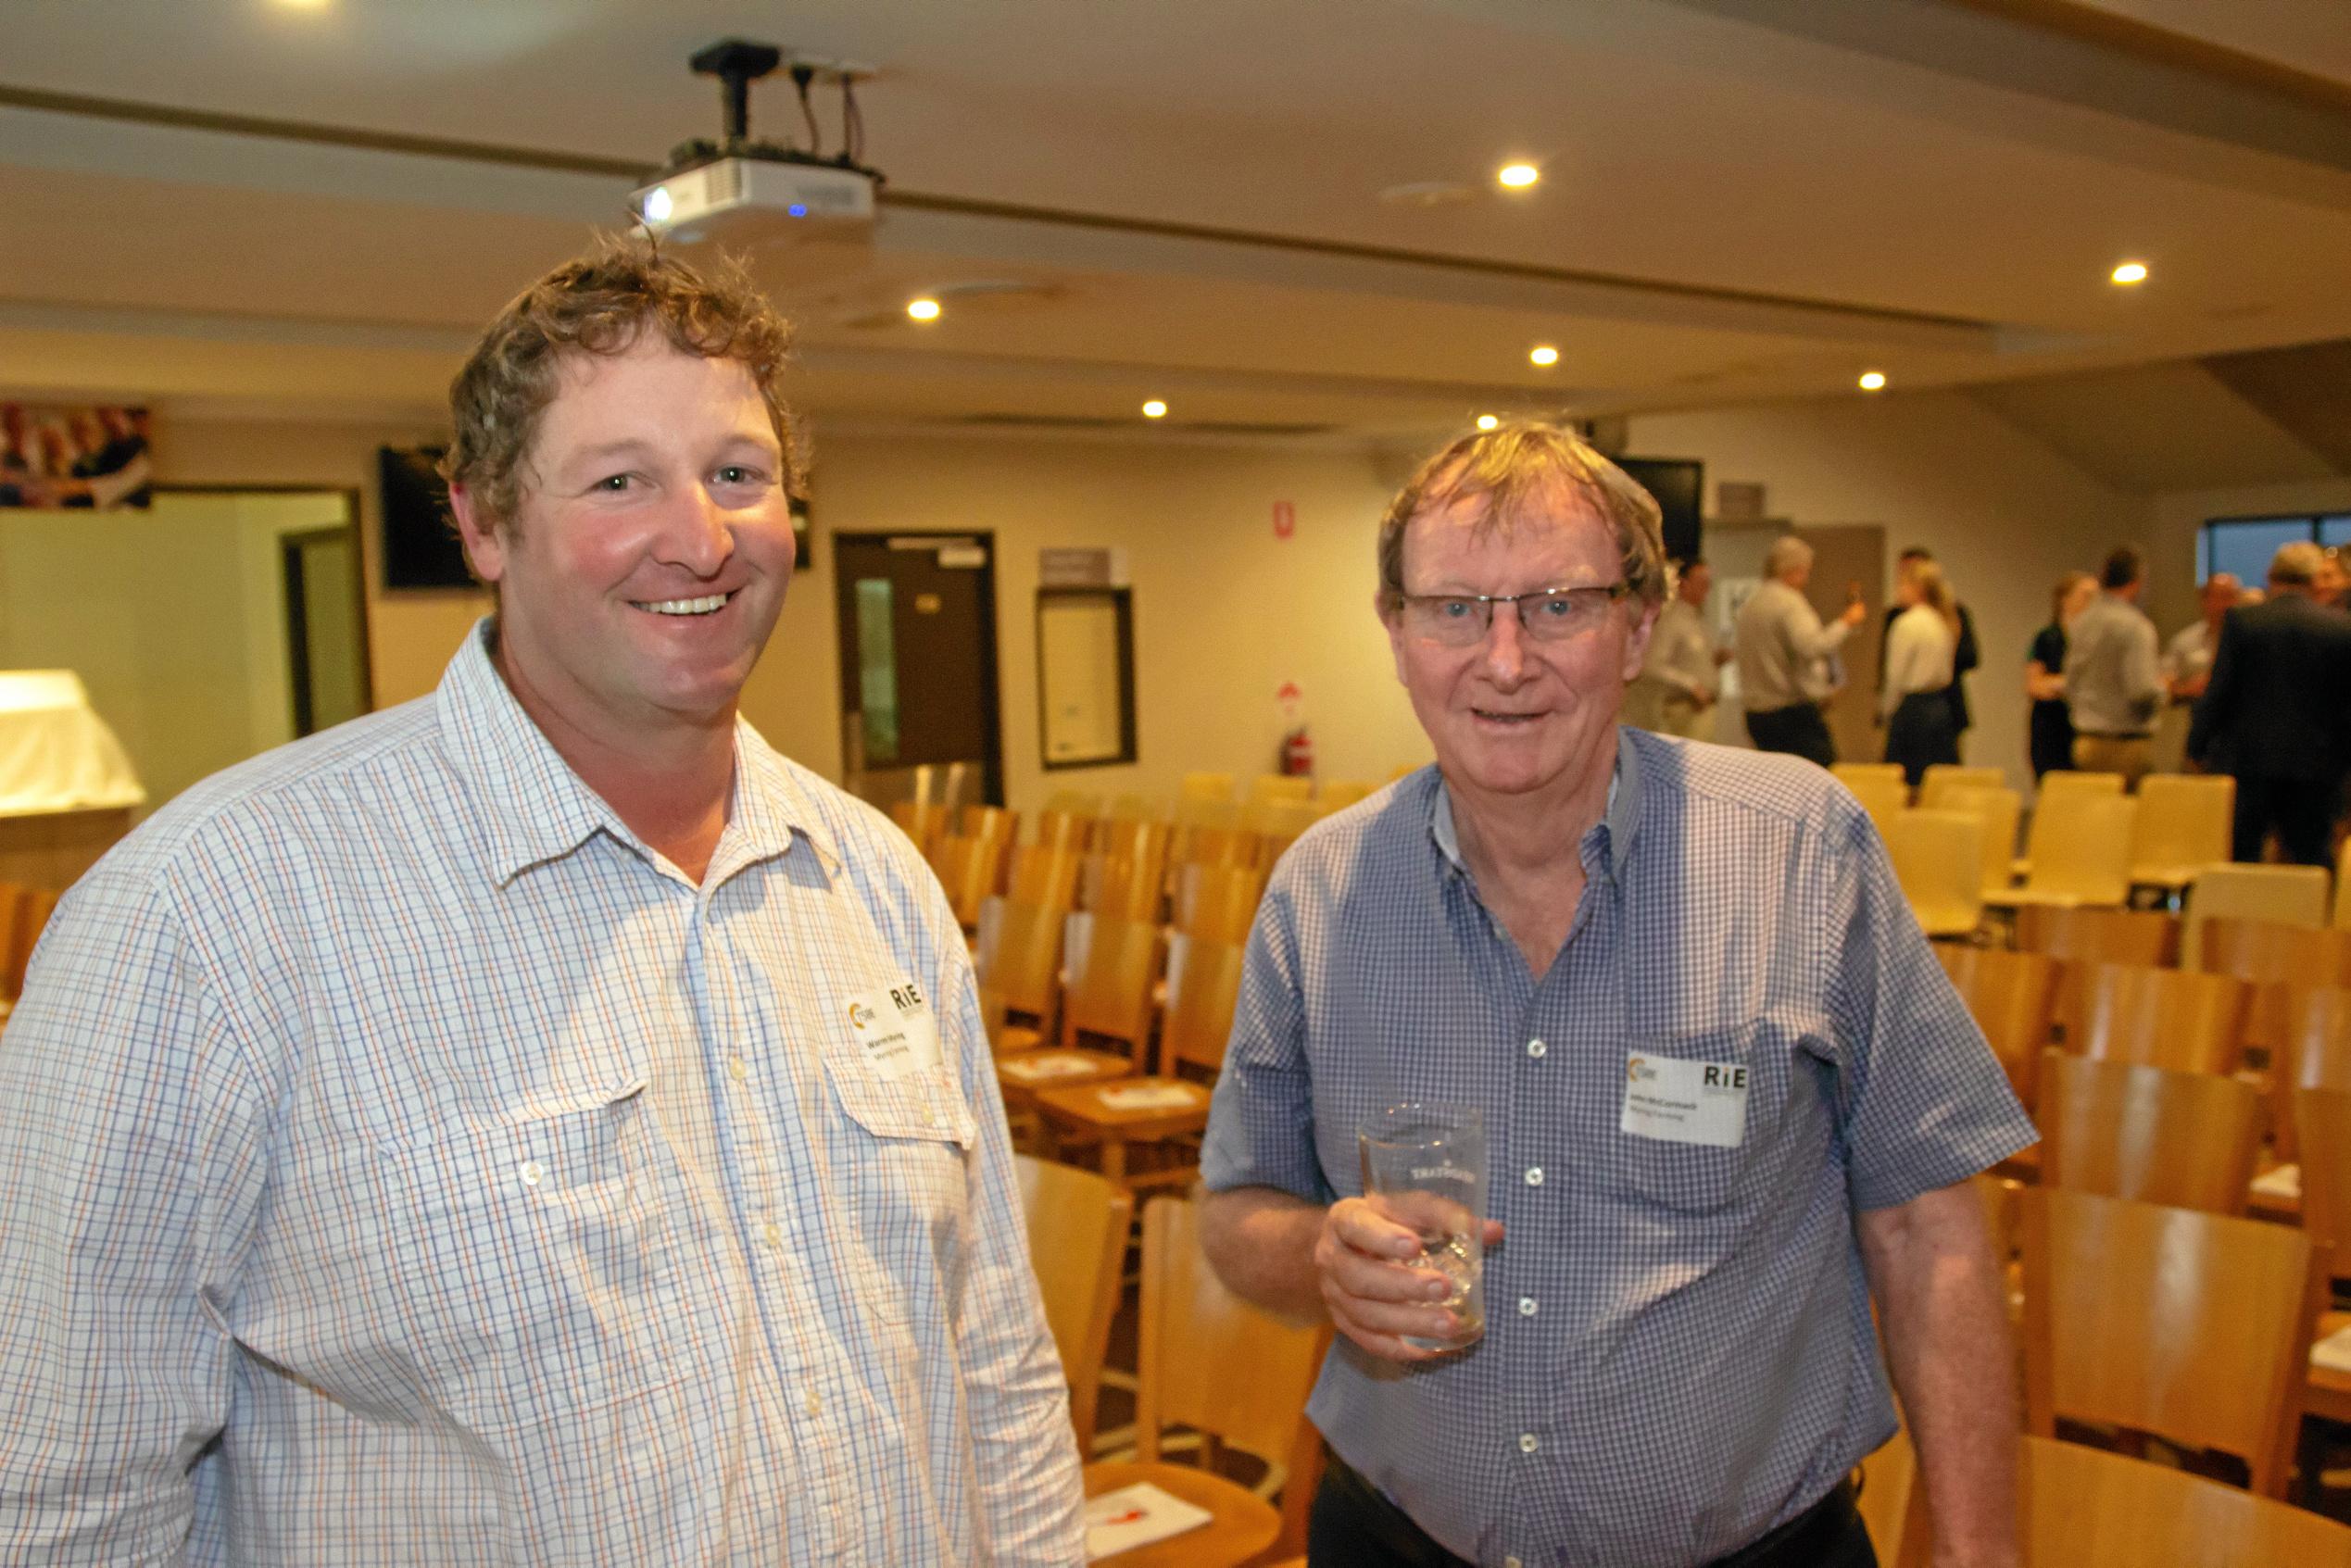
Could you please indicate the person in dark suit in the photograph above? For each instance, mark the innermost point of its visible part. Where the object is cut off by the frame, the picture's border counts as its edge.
(1966, 659)
(2273, 714)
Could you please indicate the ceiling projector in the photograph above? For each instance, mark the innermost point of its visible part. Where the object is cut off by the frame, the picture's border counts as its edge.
(738, 191)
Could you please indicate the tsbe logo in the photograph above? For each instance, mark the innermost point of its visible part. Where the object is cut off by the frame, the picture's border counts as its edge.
(1638, 1071)
(860, 1016)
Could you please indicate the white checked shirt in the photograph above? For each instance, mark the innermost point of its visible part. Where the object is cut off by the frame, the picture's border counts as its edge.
(402, 1163)
(1678, 1354)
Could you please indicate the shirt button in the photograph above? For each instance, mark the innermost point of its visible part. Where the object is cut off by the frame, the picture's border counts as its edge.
(774, 1234)
(814, 1402)
(1534, 1175)
(1536, 1048)
(1511, 1563)
(736, 1069)
(531, 1172)
(1526, 1306)
(1528, 1442)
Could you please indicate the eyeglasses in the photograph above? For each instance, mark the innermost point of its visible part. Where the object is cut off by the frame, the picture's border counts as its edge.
(1546, 615)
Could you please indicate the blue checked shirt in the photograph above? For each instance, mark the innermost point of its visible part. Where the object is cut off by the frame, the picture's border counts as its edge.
(1678, 1354)
(400, 1163)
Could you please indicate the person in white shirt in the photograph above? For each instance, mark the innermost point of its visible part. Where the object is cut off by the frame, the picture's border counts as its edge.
(1919, 649)
(1679, 679)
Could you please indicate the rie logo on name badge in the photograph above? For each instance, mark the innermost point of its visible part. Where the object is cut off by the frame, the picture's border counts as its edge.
(1677, 1101)
(893, 1025)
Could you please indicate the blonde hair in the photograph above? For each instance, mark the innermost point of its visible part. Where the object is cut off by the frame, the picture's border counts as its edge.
(1513, 470)
(1935, 592)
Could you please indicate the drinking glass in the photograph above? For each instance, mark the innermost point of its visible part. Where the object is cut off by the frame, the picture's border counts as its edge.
(1424, 1169)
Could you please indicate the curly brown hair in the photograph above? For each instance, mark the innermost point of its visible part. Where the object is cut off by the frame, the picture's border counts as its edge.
(600, 304)
(1516, 467)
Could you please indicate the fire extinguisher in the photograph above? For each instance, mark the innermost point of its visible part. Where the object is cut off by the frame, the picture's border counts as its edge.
(1298, 753)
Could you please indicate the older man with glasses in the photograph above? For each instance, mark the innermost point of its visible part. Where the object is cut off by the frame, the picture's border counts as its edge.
(1728, 1095)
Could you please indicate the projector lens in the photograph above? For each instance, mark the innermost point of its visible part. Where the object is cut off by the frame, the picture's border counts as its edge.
(657, 205)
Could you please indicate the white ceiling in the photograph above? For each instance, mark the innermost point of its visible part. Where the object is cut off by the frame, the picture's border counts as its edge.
(1743, 198)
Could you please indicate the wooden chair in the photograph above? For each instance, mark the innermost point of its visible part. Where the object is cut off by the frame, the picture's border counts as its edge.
(2272, 958)
(2322, 1120)
(1143, 840)
(1044, 878)
(2172, 1018)
(1938, 858)
(1203, 988)
(2013, 998)
(2290, 895)
(2193, 1327)
(1998, 810)
(919, 821)
(1212, 1362)
(970, 870)
(2184, 825)
(2313, 1052)
(2077, 852)
(2148, 938)
(2086, 1508)
(1117, 887)
(1884, 799)
(1020, 962)
(1941, 776)
(1077, 1226)
(988, 821)
(1112, 966)
(2187, 1139)
(1066, 830)
(2342, 920)
(1218, 903)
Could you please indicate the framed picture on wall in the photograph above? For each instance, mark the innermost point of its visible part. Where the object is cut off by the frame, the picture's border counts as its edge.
(88, 458)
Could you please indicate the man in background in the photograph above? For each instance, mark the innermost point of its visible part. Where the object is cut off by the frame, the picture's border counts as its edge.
(2274, 714)
(2187, 665)
(1966, 657)
(1784, 652)
(2114, 681)
(536, 1124)
(1680, 678)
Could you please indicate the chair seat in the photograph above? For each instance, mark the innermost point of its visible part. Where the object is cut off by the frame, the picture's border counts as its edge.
(2017, 897)
(1024, 1076)
(1240, 1525)
(1083, 1106)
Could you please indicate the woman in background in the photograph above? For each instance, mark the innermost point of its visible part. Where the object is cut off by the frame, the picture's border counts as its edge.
(2050, 727)
(1920, 729)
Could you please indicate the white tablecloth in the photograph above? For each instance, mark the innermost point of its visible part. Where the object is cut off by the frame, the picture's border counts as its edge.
(55, 752)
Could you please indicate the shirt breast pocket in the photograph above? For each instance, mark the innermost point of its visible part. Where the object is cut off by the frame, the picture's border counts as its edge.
(904, 1158)
(536, 1259)
(1678, 1173)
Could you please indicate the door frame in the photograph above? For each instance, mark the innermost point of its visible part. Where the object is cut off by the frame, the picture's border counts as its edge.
(844, 636)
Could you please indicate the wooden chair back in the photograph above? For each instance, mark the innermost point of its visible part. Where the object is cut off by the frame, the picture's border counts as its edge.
(923, 822)
(988, 821)
(1942, 776)
(2148, 938)
(1204, 984)
(2343, 888)
(1020, 955)
(2184, 824)
(1044, 877)
(1938, 858)
(1141, 839)
(2322, 1120)
(2013, 998)
(1998, 810)
(972, 871)
(2080, 847)
(1077, 1226)
(2193, 1327)
(1068, 832)
(2188, 1139)
(2313, 1051)
(2172, 1018)
(1116, 887)
(1217, 903)
(1113, 964)
(1208, 1360)
(2087, 1508)
(2290, 895)
(17, 936)
(2272, 958)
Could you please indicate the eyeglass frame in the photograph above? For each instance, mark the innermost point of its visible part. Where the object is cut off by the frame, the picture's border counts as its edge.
(1579, 593)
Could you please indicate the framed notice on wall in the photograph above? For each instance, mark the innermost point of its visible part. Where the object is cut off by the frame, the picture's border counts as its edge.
(1085, 676)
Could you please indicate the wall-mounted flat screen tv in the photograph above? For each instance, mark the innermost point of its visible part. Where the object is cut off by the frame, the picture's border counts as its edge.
(1680, 485)
(421, 549)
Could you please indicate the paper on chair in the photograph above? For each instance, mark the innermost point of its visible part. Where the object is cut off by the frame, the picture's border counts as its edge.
(1030, 1069)
(2282, 1181)
(2334, 1353)
(1137, 1516)
(1150, 1096)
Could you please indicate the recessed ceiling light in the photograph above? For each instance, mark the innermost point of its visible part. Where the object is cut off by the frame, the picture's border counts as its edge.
(1487, 421)
(1543, 353)
(1154, 409)
(2130, 272)
(303, 5)
(923, 309)
(1873, 381)
(1518, 176)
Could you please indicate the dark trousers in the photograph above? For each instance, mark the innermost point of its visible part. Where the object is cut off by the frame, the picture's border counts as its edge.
(1354, 1526)
(1799, 731)
(2302, 811)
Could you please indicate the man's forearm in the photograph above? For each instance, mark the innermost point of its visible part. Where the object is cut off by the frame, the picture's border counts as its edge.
(1943, 1311)
(1261, 1241)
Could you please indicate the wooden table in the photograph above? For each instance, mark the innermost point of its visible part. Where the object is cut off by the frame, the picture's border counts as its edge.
(1081, 1109)
(1243, 1525)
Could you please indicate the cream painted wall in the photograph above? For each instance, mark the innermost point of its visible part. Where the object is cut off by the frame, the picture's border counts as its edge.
(2179, 513)
(2004, 513)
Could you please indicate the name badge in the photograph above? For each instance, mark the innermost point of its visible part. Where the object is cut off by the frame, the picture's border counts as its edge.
(894, 1027)
(1677, 1101)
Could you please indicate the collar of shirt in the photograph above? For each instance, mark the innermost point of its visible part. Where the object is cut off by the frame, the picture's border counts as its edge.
(534, 808)
(1620, 823)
